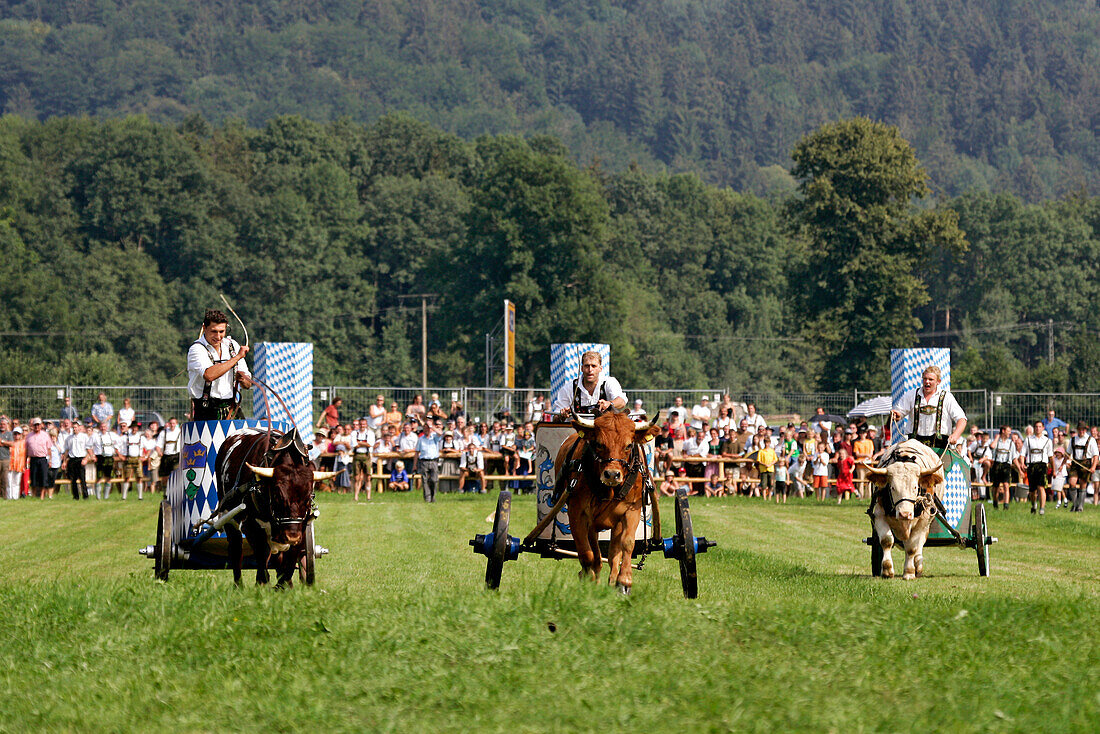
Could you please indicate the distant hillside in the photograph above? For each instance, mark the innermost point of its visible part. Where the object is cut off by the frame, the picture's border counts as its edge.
(993, 95)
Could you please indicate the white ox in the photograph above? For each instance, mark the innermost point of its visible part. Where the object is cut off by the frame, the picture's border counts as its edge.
(899, 508)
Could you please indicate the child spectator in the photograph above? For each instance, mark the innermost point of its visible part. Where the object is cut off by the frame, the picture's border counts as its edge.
(765, 468)
(471, 462)
(341, 446)
(672, 482)
(821, 471)
(399, 478)
(782, 486)
(845, 482)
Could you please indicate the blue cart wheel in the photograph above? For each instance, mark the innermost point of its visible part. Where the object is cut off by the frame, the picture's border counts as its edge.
(162, 554)
(980, 533)
(500, 540)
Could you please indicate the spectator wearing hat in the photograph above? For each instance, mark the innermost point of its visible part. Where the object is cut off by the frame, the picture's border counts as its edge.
(672, 482)
(638, 409)
(38, 446)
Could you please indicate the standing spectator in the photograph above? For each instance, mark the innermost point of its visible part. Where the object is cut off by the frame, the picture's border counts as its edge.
(125, 413)
(525, 451)
(103, 411)
(68, 412)
(1053, 422)
(55, 463)
(151, 456)
(1095, 431)
(1083, 455)
(782, 484)
(662, 449)
(7, 440)
(981, 458)
(330, 416)
(724, 421)
(1036, 459)
(362, 439)
(862, 451)
(535, 409)
(376, 414)
(107, 446)
(845, 483)
(700, 414)
(821, 471)
(18, 463)
(754, 420)
(1058, 481)
(1003, 452)
(131, 451)
(78, 453)
(341, 446)
(765, 468)
(169, 442)
(458, 414)
(429, 449)
(38, 445)
(715, 447)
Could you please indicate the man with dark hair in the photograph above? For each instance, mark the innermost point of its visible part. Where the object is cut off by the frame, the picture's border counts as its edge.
(215, 366)
(1083, 457)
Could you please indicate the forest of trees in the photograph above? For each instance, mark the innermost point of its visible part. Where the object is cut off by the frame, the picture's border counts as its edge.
(994, 96)
(116, 233)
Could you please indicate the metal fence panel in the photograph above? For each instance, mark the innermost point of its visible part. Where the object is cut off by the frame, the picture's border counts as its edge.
(357, 400)
(167, 402)
(803, 405)
(23, 402)
(1020, 409)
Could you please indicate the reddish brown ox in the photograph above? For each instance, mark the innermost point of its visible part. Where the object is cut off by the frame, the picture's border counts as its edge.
(607, 460)
(270, 474)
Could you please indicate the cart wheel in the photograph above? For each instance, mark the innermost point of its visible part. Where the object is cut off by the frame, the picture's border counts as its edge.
(980, 533)
(876, 553)
(162, 556)
(309, 558)
(688, 577)
(500, 540)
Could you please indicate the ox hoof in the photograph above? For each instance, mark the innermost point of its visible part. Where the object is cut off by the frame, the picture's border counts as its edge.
(908, 576)
(622, 589)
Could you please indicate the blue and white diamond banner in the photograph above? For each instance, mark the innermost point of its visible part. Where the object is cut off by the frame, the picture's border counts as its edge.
(192, 488)
(906, 368)
(955, 495)
(287, 367)
(565, 362)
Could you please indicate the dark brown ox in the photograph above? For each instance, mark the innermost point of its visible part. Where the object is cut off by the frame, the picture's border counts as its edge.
(606, 458)
(272, 476)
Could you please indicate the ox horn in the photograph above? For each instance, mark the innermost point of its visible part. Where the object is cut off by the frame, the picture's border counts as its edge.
(320, 476)
(261, 471)
(874, 470)
(579, 422)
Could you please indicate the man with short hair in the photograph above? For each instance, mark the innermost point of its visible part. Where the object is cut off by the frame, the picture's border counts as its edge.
(103, 410)
(1003, 455)
(362, 439)
(78, 453)
(215, 367)
(38, 455)
(1083, 459)
(126, 413)
(754, 420)
(106, 444)
(935, 418)
(1037, 458)
(591, 392)
(678, 408)
(131, 452)
(68, 412)
(429, 450)
(330, 416)
(170, 441)
(700, 414)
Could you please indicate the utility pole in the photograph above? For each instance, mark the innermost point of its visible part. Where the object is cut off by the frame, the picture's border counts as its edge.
(1050, 341)
(423, 337)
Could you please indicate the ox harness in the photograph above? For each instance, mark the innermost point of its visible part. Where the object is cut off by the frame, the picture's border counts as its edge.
(936, 440)
(923, 501)
(254, 489)
(215, 408)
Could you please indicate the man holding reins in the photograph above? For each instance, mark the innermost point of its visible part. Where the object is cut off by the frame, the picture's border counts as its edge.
(589, 393)
(215, 366)
(935, 418)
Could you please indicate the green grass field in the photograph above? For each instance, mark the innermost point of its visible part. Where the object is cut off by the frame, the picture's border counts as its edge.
(789, 633)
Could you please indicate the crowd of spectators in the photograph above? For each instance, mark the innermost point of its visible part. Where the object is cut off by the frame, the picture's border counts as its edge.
(720, 450)
(93, 455)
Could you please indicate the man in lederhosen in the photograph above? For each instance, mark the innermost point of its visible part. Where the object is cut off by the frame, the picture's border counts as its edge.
(1037, 457)
(1083, 459)
(935, 418)
(1003, 452)
(589, 393)
(215, 366)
